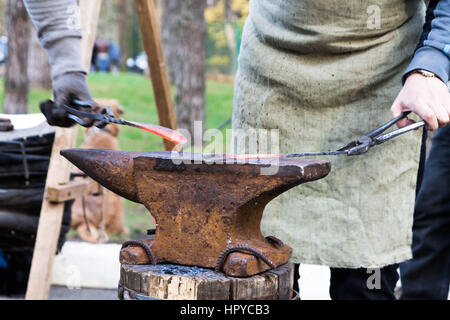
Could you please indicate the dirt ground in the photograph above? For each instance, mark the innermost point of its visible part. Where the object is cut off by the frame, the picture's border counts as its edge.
(63, 293)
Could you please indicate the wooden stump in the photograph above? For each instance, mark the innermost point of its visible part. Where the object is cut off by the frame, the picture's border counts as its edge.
(176, 282)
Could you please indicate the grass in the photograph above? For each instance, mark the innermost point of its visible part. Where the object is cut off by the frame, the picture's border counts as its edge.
(134, 92)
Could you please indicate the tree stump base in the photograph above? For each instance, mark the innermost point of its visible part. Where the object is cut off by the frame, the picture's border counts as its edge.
(177, 282)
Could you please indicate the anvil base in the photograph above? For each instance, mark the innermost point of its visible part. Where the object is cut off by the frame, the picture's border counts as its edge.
(236, 264)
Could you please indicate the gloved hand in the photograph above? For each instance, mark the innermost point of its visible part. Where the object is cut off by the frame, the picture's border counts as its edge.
(59, 31)
(66, 87)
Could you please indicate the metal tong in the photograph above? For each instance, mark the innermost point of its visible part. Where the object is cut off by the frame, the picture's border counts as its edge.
(351, 148)
(100, 120)
(86, 118)
(376, 137)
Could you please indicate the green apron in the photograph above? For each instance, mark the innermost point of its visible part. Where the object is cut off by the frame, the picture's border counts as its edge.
(323, 72)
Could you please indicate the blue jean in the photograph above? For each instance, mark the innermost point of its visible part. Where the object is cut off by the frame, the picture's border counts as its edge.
(427, 275)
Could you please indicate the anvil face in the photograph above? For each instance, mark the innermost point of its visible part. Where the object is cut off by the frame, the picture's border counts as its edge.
(201, 207)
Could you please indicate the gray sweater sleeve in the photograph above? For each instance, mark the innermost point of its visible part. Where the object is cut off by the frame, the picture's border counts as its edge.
(59, 32)
(433, 51)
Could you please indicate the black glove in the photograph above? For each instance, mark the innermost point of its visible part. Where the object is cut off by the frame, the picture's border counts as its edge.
(66, 88)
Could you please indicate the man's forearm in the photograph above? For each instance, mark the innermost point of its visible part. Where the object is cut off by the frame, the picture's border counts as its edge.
(433, 51)
(59, 32)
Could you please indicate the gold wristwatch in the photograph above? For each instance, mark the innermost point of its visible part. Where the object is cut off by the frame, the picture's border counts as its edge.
(424, 73)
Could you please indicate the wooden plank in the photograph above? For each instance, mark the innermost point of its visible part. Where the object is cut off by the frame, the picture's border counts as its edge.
(58, 173)
(72, 190)
(151, 38)
(89, 13)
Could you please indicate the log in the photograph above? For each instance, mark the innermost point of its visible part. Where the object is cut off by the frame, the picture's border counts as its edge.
(177, 282)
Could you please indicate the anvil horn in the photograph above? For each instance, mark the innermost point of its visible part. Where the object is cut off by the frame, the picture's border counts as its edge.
(110, 168)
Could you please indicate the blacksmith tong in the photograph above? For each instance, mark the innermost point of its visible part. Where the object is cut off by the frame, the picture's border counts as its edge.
(81, 112)
(352, 148)
(376, 137)
(365, 142)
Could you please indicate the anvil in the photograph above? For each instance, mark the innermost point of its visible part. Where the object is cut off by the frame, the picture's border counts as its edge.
(207, 210)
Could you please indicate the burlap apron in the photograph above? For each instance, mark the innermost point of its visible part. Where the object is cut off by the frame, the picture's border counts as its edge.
(323, 72)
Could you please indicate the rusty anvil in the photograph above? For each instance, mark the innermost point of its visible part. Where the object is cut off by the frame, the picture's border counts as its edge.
(208, 211)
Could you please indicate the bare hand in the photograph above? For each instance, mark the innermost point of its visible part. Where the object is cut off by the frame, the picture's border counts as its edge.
(429, 98)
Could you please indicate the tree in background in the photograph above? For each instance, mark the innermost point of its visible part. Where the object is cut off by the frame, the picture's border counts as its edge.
(16, 76)
(38, 66)
(123, 20)
(2, 17)
(184, 33)
(167, 39)
(225, 20)
(108, 24)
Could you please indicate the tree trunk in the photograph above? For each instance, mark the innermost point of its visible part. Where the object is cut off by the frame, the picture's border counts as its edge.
(167, 38)
(124, 29)
(2, 17)
(184, 32)
(231, 36)
(16, 77)
(38, 66)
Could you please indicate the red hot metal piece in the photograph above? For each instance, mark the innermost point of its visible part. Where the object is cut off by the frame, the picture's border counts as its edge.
(168, 134)
(205, 209)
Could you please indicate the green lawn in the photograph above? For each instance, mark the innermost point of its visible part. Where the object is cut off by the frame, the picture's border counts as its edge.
(134, 92)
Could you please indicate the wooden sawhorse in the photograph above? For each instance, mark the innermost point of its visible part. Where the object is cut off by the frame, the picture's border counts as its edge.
(58, 188)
